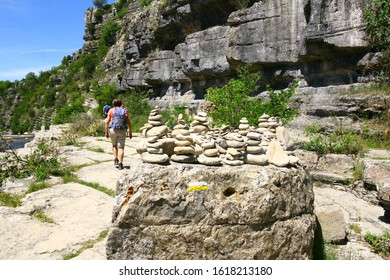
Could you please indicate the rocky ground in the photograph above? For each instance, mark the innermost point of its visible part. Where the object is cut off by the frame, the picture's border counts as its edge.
(81, 213)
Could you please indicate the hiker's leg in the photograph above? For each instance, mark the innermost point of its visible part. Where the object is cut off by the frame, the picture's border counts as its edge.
(114, 141)
(121, 144)
(121, 154)
(115, 150)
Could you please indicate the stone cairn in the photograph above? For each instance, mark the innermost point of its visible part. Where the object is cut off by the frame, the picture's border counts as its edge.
(210, 155)
(184, 151)
(154, 130)
(254, 151)
(243, 127)
(214, 147)
(235, 150)
(200, 124)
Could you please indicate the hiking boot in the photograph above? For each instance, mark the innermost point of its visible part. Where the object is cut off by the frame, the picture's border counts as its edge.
(116, 162)
(120, 166)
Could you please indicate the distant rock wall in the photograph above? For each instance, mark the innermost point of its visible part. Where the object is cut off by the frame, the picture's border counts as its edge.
(187, 211)
(189, 46)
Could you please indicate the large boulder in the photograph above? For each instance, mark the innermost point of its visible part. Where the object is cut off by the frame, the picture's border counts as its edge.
(183, 211)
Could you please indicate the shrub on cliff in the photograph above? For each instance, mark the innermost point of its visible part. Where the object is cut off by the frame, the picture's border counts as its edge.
(378, 28)
(99, 3)
(232, 102)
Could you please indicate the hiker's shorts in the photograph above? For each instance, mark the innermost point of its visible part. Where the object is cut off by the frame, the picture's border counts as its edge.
(118, 137)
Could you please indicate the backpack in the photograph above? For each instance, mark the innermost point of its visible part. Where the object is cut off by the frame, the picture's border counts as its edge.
(106, 108)
(119, 118)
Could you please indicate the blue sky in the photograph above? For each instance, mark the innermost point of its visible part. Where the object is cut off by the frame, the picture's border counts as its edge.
(37, 34)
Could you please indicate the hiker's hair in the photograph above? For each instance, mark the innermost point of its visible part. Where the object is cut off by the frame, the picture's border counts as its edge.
(116, 102)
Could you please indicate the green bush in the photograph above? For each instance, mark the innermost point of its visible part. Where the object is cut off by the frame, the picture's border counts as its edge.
(338, 142)
(145, 3)
(137, 104)
(233, 102)
(378, 28)
(68, 112)
(170, 115)
(380, 244)
(108, 38)
(42, 162)
(10, 200)
(99, 3)
(98, 15)
(86, 125)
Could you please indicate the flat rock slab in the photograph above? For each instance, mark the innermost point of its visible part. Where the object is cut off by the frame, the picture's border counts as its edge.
(104, 174)
(78, 156)
(355, 210)
(80, 214)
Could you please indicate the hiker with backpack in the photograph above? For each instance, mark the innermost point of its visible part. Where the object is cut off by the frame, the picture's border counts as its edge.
(116, 125)
(106, 108)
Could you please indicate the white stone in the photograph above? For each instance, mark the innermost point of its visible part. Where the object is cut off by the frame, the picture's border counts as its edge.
(254, 149)
(211, 152)
(276, 155)
(184, 150)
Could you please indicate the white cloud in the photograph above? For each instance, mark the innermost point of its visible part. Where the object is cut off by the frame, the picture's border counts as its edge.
(18, 74)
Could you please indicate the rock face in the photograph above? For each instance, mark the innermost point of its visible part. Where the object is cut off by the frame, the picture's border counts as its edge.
(182, 48)
(184, 211)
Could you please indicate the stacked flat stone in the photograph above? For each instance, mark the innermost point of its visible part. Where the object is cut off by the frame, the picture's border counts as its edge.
(272, 125)
(180, 127)
(210, 155)
(254, 151)
(243, 127)
(154, 130)
(236, 148)
(200, 123)
(154, 151)
(155, 125)
(267, 128)
(184, 151)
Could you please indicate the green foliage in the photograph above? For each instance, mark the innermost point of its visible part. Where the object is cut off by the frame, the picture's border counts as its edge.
(87, 245)
(108, 38)
(358, 169)
(99, 3)
(41, 216)
(104, 94)
(380, 244)
(10, 200)
(36, 186)
(137, 104)
(356, 228)
(344, 142)
(338, 142)
(98, 15)
(121, 7)
(42, 162)
(233, 102)
(313, 129)
(145, 3)
(377, 16)
(278, 103)
(84, 67)
(242, 4)
(86, 125)
(170, 115)
(68, 112)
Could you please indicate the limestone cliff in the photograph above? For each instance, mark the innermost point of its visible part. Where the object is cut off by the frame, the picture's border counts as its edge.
(184, 46)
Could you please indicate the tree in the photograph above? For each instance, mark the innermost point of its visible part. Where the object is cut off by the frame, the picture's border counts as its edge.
(99, 3)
